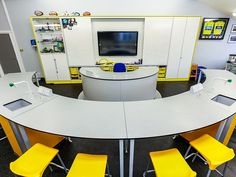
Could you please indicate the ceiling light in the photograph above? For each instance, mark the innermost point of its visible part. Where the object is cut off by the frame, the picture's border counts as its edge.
(234, 14)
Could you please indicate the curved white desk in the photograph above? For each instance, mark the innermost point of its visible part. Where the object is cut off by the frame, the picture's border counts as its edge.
(135, 85)
(120, 120)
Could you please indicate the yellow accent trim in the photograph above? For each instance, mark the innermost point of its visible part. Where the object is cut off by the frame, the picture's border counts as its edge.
(10, 135)
(110, 16)
(33, 135)
(65, 82)
(172, 79)
(230, 131)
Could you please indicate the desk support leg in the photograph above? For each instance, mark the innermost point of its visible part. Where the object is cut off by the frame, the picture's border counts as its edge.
(224, 128)
(18, 130)
(131, 158)
(121, 148)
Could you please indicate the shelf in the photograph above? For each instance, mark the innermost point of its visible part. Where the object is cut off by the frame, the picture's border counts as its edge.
(49, 32)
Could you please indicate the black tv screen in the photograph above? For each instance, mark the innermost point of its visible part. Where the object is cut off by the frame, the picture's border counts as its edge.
(117, 43)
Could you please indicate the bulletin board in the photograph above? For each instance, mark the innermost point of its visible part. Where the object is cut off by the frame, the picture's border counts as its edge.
(213, 28)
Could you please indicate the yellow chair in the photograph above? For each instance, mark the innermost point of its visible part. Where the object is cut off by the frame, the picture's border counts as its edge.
(86, 165)
(34, 161)
(169, 163)
(212, 152)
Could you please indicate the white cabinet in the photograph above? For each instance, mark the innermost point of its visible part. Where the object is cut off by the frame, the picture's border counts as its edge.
(79, 42)
(176, 46)
(182, 44)
(157, 36)
(55, 67)
(189, 42)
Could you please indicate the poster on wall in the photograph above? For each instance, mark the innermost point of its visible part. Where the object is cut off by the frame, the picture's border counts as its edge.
(213, 28)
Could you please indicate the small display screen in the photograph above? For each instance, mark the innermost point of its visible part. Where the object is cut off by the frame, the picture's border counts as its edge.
(117, 43)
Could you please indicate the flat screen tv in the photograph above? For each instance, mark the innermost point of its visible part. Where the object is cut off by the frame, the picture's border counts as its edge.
(117, 43)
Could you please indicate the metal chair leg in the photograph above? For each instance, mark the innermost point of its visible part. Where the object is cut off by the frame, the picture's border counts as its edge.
(208, 173)
(3, 138)
(225, 167)
(147, 169)
(62, 163)
(50, 168)
(108, 171)
(187, 152)
(195, 156)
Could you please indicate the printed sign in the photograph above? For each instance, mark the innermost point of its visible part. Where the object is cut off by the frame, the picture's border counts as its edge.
(213, 28)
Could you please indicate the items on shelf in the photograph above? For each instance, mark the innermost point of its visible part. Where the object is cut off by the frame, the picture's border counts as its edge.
(66, 13)
(68, 23)
(74, 73)
(193, 74)
(86, 13)
(53, 13)
(162, 72)
(38, 13)
(75, 13)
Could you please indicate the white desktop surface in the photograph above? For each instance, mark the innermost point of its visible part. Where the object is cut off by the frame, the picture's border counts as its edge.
(77, 118)
(120, 120)
(97, 73)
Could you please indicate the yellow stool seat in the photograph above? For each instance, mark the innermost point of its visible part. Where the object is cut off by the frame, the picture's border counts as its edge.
(213, 151)
(34, 161)
(170, 163)
(86, 165)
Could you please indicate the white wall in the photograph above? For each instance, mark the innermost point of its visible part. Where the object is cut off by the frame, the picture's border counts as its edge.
(4, 26)
(212, 54)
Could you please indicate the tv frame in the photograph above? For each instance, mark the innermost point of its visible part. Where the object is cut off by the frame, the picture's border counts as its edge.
(118, 32)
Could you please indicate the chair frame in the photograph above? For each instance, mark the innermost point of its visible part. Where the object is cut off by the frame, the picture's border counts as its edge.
(196, 154)
(108, 171)
(5, 137)
(147, 169)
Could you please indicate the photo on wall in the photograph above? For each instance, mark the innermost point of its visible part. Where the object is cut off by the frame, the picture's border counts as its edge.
(233, 30)
(232, 38)
(213, 28)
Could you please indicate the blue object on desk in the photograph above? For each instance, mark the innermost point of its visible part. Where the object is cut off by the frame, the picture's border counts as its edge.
(198, 72)
(119, 67)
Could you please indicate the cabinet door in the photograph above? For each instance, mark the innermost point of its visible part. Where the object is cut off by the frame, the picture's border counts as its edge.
(62, 67)
(79, 43)
(176, 46)
(189, 42)
(49, 67)
(157, 35)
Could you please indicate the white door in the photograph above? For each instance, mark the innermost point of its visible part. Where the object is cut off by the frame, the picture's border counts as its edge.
(157, 36)
(49, 67)
(79, 43)
(176, 46)
(190, 37)
(62, 66)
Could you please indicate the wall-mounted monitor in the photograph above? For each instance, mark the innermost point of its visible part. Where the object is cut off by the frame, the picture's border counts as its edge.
(117, 43)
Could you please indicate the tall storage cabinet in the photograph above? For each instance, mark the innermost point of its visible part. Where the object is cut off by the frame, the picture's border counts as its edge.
(50, 44)
(182, 45)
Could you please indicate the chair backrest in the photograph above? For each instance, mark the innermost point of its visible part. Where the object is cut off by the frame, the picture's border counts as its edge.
(119, 67)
